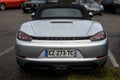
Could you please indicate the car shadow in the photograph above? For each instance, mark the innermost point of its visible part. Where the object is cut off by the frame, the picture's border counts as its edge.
(42, 74)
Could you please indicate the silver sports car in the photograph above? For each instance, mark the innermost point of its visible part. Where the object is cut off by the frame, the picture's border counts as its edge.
(61, 36)
(91, 6)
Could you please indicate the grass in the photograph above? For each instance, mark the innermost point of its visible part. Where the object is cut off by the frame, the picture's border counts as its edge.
(106, 73)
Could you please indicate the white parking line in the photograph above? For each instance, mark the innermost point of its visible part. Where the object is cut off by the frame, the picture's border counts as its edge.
(6, 51)
(112, 58)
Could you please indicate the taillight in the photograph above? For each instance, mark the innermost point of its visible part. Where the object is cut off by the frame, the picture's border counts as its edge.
(23, 36)
(99, 36)
(21, 56)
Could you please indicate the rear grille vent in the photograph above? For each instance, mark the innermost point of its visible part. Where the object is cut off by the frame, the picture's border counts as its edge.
(61, 22)
(60, 38)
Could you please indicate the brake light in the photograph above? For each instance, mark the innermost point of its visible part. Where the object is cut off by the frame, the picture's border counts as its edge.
(23, 36)
(99, 36)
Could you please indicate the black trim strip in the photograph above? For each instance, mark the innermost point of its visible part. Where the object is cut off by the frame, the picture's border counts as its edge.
(61, 22)
(60, 38)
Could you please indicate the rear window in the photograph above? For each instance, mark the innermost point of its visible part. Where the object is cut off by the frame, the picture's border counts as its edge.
(61, 12)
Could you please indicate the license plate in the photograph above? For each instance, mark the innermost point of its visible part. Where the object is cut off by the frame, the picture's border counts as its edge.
(60, 53)
(27, 8)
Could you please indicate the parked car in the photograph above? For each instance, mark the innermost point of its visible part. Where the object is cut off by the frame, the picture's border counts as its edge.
(61, 36)
(111, 5)
(91, 6)
(10, 3)
(32, 5)
(53, 1)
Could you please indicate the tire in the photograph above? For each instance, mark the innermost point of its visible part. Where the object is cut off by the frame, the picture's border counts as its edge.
(20, 65)
(22, 68)
(2, 7)
(99, 66)
(117, 10)
(102, 65)
(100, 14)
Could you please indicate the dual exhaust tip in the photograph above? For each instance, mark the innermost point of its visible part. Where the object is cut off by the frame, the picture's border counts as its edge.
(60, 69)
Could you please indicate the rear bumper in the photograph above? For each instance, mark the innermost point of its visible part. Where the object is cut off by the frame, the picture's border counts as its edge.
(96, 12)
(86, 48)
(68, 62)
(32, 53)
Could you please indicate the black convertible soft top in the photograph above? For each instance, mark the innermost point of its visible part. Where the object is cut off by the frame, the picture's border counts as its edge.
(85, 14)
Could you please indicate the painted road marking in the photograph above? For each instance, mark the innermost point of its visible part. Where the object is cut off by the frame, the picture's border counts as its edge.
(7, 50)
(112, 58)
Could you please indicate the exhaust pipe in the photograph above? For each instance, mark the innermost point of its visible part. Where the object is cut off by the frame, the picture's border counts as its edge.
(63, 70)
(60, 69)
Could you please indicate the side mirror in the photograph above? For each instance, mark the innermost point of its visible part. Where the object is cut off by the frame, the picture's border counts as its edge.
(32, 15)
(91, 14)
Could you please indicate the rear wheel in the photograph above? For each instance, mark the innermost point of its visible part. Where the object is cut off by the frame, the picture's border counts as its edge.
(21, 66)
(2, 7)
(103, 64)
(100, 14)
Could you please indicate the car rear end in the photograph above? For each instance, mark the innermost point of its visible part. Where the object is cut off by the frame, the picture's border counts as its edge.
(96, 10)
(30, 7)
(73, 52)
(82, 53)
(70, 40)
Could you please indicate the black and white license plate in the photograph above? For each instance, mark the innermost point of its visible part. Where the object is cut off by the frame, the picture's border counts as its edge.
(27, 8)
(60, 53)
